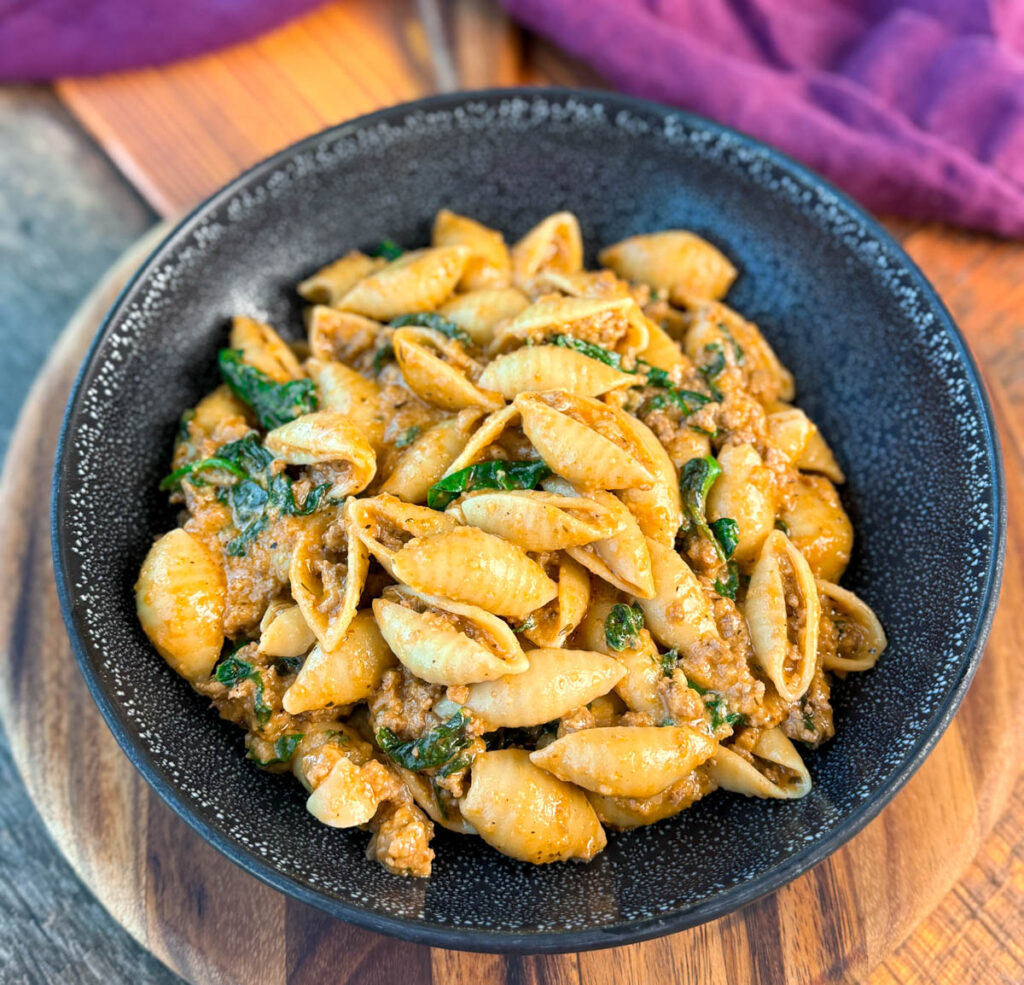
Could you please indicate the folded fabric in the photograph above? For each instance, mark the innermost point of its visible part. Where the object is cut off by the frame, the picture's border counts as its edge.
(43, 39)
(915, 107)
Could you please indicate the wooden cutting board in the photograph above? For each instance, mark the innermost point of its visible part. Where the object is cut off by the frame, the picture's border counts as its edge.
(179, 132)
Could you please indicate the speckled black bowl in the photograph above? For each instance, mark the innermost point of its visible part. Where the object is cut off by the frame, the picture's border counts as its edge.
(878, 363)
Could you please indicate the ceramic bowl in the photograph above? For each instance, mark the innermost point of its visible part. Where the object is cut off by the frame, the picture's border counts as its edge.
(879, 365)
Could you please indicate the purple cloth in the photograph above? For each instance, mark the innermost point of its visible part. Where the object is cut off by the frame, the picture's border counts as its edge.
(43, 39)
(913, 106)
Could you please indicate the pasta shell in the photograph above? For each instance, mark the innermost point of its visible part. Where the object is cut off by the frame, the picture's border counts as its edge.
(860, 644)
(622, 560)
(818, 457)
(731, 771)
(345, 391)
(679, 614)
(626, 761)
(790, 430)
(658, 509)
(782, 611)
(437, 369)
(284, 631)
(418, 280)
(555, 243)
(326, 436)
(478, 312)
(327, 590)
(614, 323)
(331, 283)
(488, 264)
(474, 567)
(549, 367)
(556, 682)
(385, 524)
(553, 623)
(427, 459)
(583, 440)
(580, 284)
(819, 526)
(625, 813)
(180, 598)
(446, 642)
(672, 260)
(540, 521)
(528, 814)
(339, 335)
(350, 672)
(745, 492)
(349, 795)
(263, 348)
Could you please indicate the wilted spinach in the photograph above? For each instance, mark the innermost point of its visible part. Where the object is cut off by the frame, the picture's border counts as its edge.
(715, 704)
(388, 249)
(622, 626)
(731, 584)
(273, 403)
(233, 670)
(437, 749)
(407, 437)
(591, 349)
(284, 750)
(487, 475)
(727, 534)
(695, 481)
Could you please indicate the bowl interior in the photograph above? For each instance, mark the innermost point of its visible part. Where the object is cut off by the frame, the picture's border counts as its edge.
(878, 366)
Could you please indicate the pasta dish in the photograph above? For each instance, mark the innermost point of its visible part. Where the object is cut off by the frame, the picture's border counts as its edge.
(509, 546)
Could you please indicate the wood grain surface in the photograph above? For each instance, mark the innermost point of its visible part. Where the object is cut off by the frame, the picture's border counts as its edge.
(179, 132)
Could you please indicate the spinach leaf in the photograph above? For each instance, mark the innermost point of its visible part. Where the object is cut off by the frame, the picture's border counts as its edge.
(407, 437)
(256, 492)
(727, 534)
(234, 670)
(737, 349)
(598, 352)
(714, 368)
(385, 354)
(688, 401)
(431, 319)
(388, 249)
(530, 622)
(622, 626)
(284, 750)
(438, 748)
(487, 475)
(192, 470)
(695, 481)
(729, 587)
(781, 524)
(273, 403)
(669, 660)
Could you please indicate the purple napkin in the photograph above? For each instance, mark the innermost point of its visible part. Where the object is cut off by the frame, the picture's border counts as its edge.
(42, 39)
(913, 106)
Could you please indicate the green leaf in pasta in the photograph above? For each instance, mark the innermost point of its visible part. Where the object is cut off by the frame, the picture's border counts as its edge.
(436, 749)
(598, 352)
(284, 750)
(727, 534)
(688, 401)
(717, 707)
(388, 249)
(407, 437)
(431, 319)
(729, 586)
(713, 367)
(273, 403)
(233, 670)
(695, 482)
(487, 475)
(622, 626)
(384, 355)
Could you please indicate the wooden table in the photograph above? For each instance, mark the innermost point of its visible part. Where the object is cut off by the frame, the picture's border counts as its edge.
(179, 132)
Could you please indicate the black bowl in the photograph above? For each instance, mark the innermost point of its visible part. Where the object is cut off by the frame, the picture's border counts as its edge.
(878, 363)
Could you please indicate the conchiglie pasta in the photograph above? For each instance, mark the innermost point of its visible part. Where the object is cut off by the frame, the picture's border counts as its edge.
(553, 622)
(819, 527)
(419, 280)
(344, 675)
(743, 492)
(774, 770)
(556, 682)
(554, 243)
(284, 631)
(478, 312)
(527, 813)
(626, 762)
(332, 282)
(446, 642)
(673, 260)
(858, 635)
(437, 369)
(546, 367)
(488, 263)
(263, 348)
(679, 613)
(179, 598)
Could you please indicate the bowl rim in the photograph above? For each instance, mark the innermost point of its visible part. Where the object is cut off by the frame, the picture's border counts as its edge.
(520, 942)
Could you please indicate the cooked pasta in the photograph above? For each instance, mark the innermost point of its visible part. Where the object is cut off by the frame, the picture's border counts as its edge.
(509, 546)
